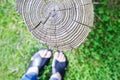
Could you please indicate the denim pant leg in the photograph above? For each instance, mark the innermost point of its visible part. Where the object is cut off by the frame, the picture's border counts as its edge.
(53, 79)
(29, 76)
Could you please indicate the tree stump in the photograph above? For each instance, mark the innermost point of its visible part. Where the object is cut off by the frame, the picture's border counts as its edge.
(60, 24)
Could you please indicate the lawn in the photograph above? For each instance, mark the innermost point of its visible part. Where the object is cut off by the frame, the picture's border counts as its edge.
(97, 59)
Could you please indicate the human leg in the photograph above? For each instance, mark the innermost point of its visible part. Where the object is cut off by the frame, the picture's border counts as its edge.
(29, 76)
(38, 60)
(58, 66)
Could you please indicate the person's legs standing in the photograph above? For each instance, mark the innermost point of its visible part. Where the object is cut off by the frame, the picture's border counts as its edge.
(39, 60)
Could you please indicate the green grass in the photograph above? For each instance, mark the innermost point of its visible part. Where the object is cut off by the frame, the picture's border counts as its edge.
(97, 59)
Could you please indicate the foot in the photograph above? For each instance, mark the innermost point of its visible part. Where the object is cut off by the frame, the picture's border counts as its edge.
(38, 60)
(58, 65)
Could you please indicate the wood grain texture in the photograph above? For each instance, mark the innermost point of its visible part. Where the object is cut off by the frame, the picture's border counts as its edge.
(60, 24)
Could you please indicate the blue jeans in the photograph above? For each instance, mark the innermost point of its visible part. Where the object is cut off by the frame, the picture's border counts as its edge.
(33, 76)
